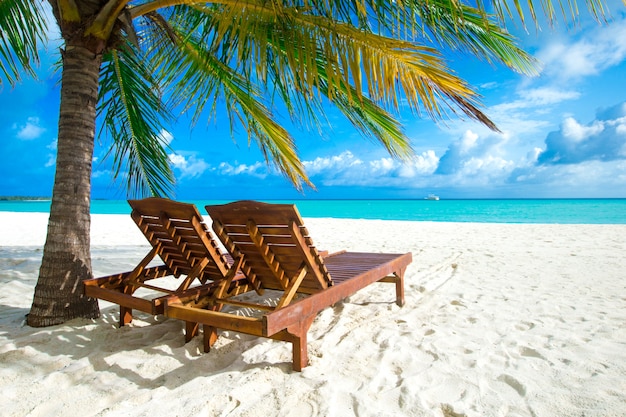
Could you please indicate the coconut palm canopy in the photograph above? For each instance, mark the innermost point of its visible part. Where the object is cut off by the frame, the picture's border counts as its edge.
(250, 54)
(366, 57)
(138, 63)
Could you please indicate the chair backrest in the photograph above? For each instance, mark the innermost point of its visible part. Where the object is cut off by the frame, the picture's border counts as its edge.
(180, 236)
(273, 242)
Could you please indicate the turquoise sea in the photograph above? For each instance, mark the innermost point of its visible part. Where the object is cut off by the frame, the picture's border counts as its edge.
(565, 211)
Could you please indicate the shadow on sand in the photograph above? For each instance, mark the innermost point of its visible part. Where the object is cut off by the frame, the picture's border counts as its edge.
(149, 353)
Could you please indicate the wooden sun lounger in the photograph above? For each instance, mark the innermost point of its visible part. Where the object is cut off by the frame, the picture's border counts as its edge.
(271, 246)
(181, 239)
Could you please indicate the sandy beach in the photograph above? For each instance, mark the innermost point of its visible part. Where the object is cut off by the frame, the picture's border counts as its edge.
(500, 320)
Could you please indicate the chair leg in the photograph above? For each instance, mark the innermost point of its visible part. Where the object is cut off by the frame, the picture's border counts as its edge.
(297, 336)
(400, 287)
(126, 315)
(300, 352)
(400, 290)
(209, 338)
(191, 330)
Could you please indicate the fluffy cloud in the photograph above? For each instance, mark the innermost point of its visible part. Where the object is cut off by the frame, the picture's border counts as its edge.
(536, 97)
(526, 113)
(604, 139)
(577, 160)
(189, 166)
(30, 130)
(587, 179)
(421, 165)
(346, 169)
(258, 169)
(165, 137)
(192, 167)
(473, 155)
(566, 60)
(337, 163)
(52, 157)
(603, 48)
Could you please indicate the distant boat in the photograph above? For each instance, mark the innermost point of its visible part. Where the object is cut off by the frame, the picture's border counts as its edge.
(432, 197)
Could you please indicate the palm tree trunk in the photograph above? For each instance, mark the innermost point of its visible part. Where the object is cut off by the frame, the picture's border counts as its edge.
(66, 257)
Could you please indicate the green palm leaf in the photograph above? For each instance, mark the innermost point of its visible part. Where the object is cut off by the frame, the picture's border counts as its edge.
(22, 28)
(473, 31)
(389, 69)
(132, 111)
(367, 57)
(199, 81)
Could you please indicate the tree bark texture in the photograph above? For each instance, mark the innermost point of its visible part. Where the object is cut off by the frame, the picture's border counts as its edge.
(66, 259)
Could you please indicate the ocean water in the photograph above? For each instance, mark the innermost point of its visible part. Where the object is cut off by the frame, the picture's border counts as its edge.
(564, 211)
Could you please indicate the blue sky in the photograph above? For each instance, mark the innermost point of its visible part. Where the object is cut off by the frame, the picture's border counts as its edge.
(563, 136)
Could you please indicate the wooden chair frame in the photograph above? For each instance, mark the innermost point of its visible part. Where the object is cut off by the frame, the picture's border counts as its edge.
(181, 239)
(273, 249)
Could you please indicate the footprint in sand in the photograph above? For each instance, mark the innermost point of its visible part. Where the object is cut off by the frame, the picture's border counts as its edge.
(513, 383)
(525, 326)
(531, 353)
(448, 411)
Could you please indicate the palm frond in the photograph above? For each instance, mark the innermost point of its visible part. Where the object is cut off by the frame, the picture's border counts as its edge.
(373, 122)
(393, 69)
(569, 9)
(133, 113)
(22, 29)
(370, 119)
(383, 68)
(200, 81)
(397, 17)
(368, 57)
(473, 31)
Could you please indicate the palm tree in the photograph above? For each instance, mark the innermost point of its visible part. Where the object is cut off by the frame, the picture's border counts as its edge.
(131, 63)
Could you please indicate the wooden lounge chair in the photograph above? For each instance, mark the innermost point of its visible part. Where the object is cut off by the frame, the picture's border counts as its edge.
(181, 239)
(271, 246)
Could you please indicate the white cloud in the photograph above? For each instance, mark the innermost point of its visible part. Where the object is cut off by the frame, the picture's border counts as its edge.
(258, 169)
(382, 166)
(578, 160)
(567, 60)
(576, 132)
(476, 160)
(30, 130)
(600, 49)
(178, 161)
(426, 163)
(346, 169)
(341, 162)
(166, 137)
(483, 162)
(52, 160)
(421, 166)
(472, 153)
(585, 179)
(104, 173)
(526, 114)
(603, 139)
(488, 85)
(489, 164)
(468, 141)
(189, 166)
(534, 97)
(52, 157)
(547, 95)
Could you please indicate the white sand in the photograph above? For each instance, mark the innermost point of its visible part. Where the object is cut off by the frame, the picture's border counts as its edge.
(500, 320)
